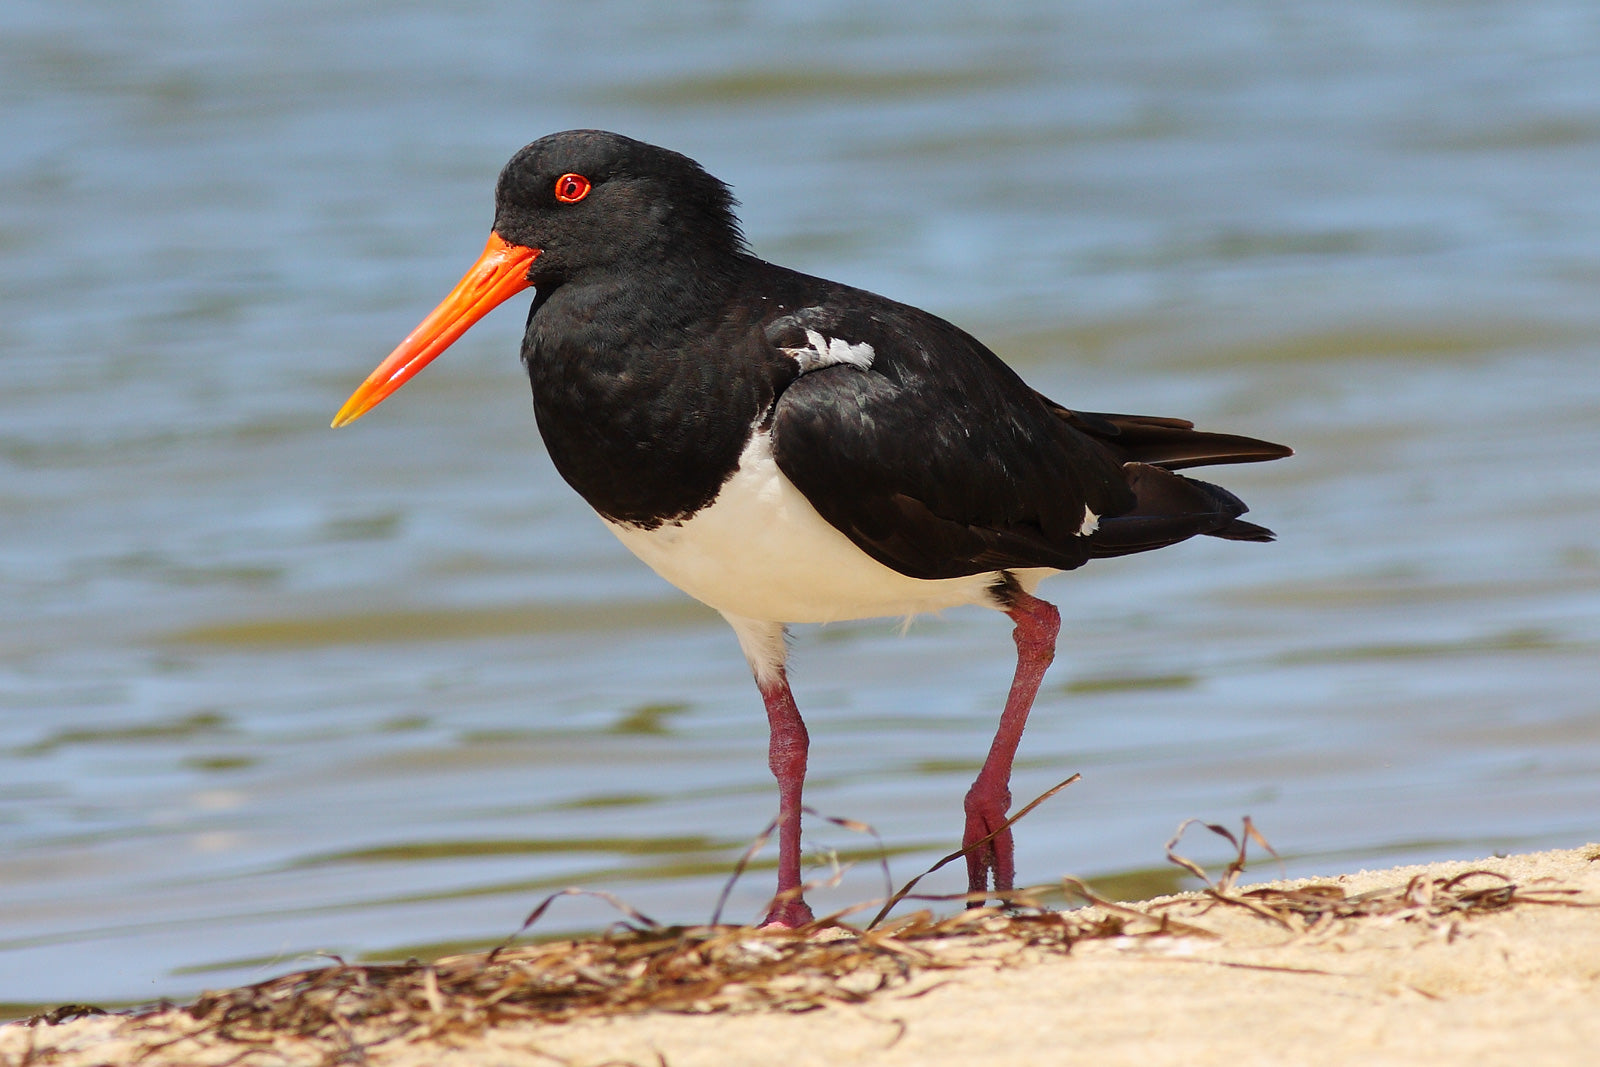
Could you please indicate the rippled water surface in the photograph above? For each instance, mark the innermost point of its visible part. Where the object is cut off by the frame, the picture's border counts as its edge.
(268, 690)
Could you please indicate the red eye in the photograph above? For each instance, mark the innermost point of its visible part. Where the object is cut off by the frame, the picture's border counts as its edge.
(570, 188)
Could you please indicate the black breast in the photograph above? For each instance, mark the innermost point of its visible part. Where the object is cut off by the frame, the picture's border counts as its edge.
(645, 415)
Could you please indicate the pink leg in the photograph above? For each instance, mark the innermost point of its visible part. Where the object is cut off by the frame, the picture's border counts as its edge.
(786, 755)
(990, 796)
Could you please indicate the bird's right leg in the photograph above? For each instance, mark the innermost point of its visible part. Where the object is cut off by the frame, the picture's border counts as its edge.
(1037, 623)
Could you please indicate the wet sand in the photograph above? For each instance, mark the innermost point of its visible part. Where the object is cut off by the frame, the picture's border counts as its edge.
(1485, 961)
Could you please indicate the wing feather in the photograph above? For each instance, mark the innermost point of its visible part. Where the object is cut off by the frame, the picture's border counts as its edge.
(936, 459)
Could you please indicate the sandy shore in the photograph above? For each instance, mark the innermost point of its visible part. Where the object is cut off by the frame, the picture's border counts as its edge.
(1401, 966)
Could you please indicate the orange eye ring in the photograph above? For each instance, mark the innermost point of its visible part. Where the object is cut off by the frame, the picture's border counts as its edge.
(570, 188)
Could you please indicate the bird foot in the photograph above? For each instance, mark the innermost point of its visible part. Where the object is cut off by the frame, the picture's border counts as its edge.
(788, 915)
(985, 814)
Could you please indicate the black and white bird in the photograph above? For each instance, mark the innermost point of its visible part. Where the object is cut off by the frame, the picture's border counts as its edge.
(787, 449)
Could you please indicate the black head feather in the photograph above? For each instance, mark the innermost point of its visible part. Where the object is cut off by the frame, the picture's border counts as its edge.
(645, 204)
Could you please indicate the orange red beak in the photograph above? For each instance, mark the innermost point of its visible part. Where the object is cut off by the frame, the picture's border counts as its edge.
(499, 274)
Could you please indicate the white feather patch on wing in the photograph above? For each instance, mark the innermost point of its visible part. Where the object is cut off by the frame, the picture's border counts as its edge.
(827, 351)
(1091, 522)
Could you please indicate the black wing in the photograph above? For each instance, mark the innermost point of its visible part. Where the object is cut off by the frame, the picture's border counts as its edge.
(937, 460)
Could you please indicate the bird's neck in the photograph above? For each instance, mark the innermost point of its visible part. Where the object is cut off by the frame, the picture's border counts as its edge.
(642, 394)
(616, 310)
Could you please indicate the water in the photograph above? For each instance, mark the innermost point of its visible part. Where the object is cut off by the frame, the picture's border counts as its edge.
(268, 690)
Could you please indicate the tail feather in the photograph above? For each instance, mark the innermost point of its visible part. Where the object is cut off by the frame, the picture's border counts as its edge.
(1239, 530)
(1171, 444)
(1171, 508)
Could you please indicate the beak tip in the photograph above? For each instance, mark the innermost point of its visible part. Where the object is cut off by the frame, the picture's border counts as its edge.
(500, 272)
(344, 418)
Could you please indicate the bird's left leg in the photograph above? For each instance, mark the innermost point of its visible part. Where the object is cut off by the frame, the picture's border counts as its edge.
(764, 647)
(1037, 624)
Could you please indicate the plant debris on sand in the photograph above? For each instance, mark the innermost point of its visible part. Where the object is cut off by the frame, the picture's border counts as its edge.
(1309, 907)
(341, 1012)
(345, 1009)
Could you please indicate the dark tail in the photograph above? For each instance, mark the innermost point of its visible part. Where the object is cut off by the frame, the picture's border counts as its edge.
(1171, 508)
(1171, 444)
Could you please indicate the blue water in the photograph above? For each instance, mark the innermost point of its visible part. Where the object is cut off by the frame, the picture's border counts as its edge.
(268, 690)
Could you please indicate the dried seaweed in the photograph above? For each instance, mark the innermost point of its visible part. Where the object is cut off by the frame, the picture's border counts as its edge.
(340, 1013)
(65, 1013)
(1421, 899)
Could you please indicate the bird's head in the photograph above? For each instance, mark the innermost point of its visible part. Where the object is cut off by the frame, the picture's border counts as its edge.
(566, 207)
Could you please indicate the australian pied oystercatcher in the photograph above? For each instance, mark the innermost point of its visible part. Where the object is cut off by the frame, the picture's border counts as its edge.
(788, 449)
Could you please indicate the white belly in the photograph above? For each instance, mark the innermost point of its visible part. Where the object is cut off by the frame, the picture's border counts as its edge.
(761, 551)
